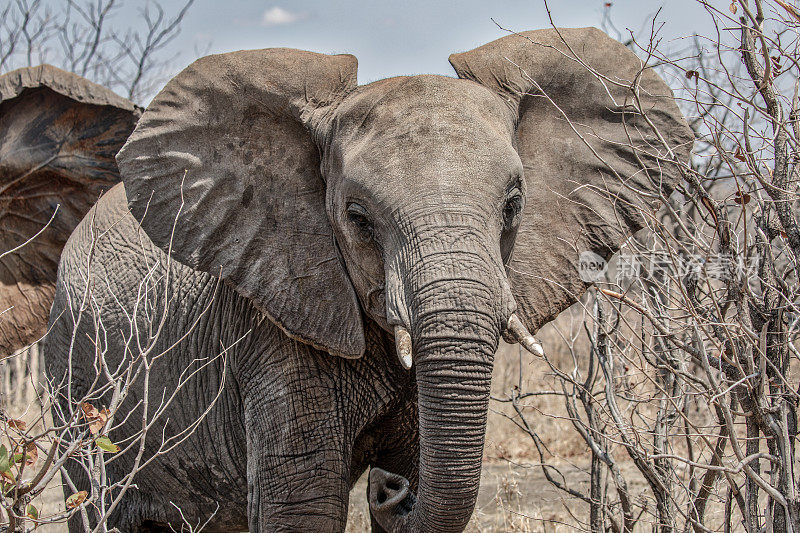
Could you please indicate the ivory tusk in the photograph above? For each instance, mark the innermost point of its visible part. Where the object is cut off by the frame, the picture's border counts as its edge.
(516, 332)
(402, 341)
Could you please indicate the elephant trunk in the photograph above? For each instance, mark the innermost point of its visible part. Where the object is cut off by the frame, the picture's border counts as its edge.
(456, 313)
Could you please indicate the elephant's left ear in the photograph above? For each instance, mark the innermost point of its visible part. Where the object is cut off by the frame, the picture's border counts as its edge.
(595, 153)
(224, 174)
(59, 134)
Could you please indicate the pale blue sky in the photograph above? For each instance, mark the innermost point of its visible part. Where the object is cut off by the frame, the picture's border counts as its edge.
(403, 36)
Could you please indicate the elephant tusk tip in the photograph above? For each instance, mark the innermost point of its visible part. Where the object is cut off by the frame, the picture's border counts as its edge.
(533, 346)
(402, 340)
(517, 332)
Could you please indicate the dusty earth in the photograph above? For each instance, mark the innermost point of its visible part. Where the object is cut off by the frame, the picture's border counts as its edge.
(513, 497)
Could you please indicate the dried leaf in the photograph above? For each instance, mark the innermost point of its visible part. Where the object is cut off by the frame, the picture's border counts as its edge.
(76, 499)
(776, 64)
(692, 73)
(741, 199)
(31, 453)
(608, 4)
(89, 411)
(97, 419)
(104, 443)
(96, 425)
(739, 155)
(733, 7)
(16, 424)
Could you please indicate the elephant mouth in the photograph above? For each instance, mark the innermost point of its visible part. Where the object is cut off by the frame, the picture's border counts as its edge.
(376, 304)
(514, 333)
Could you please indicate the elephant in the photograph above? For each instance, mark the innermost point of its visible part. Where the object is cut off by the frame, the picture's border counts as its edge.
(59, 134)
(357, 252)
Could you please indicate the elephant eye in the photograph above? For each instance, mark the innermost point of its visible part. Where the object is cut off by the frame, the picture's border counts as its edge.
(512, 209)
(359, 218)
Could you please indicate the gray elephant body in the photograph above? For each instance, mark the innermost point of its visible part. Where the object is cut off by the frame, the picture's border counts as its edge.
(320, 222)
(291, 420)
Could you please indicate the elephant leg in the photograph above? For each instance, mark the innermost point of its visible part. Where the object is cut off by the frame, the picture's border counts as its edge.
(298, 456)
(399, 450)
(302, 486)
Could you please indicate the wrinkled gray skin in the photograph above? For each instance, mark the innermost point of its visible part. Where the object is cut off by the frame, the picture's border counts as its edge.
(335, 213)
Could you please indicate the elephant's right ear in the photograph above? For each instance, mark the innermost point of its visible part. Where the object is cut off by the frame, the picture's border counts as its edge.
(224, 174)
(59, 134)
(601, 139)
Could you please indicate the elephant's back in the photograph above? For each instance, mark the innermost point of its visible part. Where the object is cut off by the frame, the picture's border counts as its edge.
(111, 271)
(110, 245)
(107, 237)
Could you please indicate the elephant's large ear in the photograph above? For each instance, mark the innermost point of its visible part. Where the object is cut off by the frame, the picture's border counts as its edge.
(226, 153)
(59, 134)
(590, 157)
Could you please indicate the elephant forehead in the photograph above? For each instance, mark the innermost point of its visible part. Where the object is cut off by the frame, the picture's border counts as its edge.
(426, 105)
(425, 125)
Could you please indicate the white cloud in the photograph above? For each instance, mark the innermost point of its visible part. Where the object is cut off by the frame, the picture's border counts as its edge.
(277, 16)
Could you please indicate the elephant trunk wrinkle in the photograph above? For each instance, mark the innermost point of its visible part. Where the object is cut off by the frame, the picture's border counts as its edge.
(454, 368)
(454, 349)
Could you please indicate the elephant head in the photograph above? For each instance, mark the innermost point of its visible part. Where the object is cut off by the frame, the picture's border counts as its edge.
(444, 209)
(59, 134)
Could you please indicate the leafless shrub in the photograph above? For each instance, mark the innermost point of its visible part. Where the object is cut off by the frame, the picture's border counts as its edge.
(62, 427)
(684, 367)
(84, 37)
